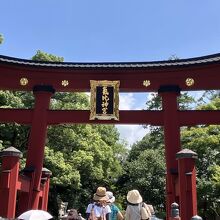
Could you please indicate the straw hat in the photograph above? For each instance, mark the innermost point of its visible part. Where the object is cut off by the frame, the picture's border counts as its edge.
(134, 197)
(110, 196)
(100, 194)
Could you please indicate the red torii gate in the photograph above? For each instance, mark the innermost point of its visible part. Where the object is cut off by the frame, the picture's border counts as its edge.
(167, 78)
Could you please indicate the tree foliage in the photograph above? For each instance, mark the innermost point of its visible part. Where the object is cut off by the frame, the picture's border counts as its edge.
(205, 141)
(43, 56)
(1, 39)
(146, 172)
(13, 134)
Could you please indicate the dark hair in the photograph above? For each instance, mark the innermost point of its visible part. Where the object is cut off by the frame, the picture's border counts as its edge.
(73, 215)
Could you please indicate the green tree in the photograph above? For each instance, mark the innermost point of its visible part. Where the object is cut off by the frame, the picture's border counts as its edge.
(1, 39)
(86, 154)
(13, 134)
(145, 171)
(43, 56)
(205, 141)
(215, 178)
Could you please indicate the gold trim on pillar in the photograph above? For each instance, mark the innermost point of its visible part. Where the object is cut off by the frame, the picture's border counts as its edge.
(104, 100)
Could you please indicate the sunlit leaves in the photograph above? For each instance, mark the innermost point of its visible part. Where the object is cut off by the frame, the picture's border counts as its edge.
(55, 160)
(42, 56)
(1, 39)
(205, 141)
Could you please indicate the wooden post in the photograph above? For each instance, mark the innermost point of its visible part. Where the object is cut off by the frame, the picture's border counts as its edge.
(24, 199)
(35, 154)
(46, 183)
(172, 141)
(8, 181)
(187, 183)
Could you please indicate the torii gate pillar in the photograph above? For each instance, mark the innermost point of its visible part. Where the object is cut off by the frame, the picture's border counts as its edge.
(187, 183)
(36, 144)
(8, 179)
(169, 96)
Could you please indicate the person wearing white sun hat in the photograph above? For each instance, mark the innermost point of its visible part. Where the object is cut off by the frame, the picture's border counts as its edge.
(136, 209)
(115, 212)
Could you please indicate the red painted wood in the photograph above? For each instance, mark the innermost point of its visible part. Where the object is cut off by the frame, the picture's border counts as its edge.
(21, 116)
(8, 191)
(24, 183)
(125, 117)
(206, 77)
(185, 118)
(25, 195)
(187, 188)
(199, 117)
(36, 143)
(45, 194)
(172, 145)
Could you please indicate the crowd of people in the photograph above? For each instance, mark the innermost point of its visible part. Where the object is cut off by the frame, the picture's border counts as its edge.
(103, 207)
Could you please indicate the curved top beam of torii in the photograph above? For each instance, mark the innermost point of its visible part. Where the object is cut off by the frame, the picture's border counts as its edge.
(68, 76)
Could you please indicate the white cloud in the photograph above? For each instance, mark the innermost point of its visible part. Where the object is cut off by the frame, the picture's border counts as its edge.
(135, 101)
(126, 101)
(131, 133)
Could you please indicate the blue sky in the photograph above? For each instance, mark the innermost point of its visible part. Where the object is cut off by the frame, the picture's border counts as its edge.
(111, 30)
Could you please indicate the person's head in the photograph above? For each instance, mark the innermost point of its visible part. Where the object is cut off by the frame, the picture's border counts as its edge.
(134, 197)
(100, 196)
(72, 214)
(111, 197)
(101, 203)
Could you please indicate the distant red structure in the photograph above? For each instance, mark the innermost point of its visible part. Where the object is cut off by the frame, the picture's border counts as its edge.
(167, 78)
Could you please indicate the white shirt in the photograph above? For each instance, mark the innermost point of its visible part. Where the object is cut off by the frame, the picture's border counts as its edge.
(98, 210)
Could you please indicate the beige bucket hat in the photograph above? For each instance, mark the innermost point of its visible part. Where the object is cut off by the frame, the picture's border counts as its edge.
(134, 197)
(100, 194)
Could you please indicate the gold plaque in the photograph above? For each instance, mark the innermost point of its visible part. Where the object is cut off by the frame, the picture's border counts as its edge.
(104, 100)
